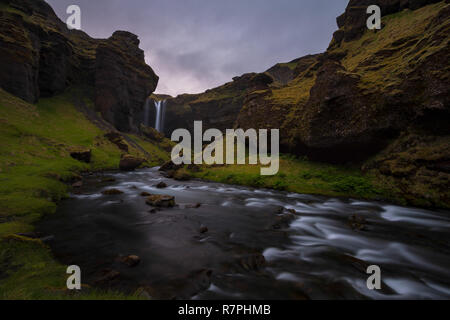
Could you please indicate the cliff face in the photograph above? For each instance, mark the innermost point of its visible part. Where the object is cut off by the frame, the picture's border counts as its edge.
(375, 97)
(217, 108)
(122, 81)
(41, 57)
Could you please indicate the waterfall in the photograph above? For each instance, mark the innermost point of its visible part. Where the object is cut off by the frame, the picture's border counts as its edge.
(159, 121)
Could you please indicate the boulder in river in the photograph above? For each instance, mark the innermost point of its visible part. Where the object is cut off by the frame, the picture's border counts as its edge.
(161, 185)
(131, 260)
(283, 221)
(130, 163)
(357, 222)
(145, 194)
(112, 192)
(163, 201)
(170, 166)
(77, 184)
(181, 175)
(203, 229)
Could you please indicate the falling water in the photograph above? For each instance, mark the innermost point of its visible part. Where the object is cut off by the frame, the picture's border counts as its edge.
(159, 122)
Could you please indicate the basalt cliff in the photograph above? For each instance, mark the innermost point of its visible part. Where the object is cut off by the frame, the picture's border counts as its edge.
(41, 57)
(376, 98)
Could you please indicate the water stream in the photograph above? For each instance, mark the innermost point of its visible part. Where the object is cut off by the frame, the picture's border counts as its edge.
(320, 252)
(159, 121)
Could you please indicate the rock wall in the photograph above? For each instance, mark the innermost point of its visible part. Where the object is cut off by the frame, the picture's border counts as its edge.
(122, 81)
(376, 98)
(41, 57)
(217, 108)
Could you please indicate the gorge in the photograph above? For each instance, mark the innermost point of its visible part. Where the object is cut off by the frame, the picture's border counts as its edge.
(364, 170)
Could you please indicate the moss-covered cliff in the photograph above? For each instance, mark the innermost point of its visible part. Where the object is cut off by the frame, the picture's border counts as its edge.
(41, 57)
(377, 98)
(63, 97)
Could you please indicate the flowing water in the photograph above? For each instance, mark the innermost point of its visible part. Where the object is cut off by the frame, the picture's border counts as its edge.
(159, 121)
(321, 252)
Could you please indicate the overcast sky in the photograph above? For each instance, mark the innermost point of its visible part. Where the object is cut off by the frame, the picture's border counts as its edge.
(194, 45)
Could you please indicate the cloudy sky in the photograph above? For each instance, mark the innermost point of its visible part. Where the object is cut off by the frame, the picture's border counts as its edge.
(194, 45)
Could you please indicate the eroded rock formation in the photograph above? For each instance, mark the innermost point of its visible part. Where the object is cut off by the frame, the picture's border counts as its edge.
(42, 57)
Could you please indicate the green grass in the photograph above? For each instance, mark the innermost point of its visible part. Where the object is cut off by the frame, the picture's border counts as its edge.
(301, 176)
(35, 166)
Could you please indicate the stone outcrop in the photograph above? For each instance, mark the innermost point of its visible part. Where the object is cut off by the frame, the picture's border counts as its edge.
(217, 108)
(122, 81)
(352, 23)
(376, 98)
(42, 57)
(130, 163)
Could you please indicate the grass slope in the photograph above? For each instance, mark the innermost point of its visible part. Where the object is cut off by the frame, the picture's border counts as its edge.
(35, 166)
(301, 176)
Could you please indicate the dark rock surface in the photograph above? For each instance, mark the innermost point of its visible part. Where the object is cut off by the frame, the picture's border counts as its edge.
(130, 163)
(217, 108)
(122, 80)
(42, 57)
(375, 98)
(82, 155)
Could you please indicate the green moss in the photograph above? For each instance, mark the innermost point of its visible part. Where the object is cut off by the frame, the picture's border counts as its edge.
(301, 176)
(35, 164)
(382, 58)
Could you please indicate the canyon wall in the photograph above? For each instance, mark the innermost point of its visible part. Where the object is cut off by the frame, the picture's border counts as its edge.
(41, 57)
(375, 98)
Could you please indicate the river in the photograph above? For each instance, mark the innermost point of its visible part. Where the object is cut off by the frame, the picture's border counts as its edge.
(245, 243)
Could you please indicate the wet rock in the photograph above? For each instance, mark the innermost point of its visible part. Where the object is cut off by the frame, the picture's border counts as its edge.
(130, 163)
(283, 221)
(161, 185)
(292, 211)
(203, 229)
(131, 260)
(357, 222)
(108, 179)
(145, 194)
(81, 155)
(77, 184)
(163, 201)
(169, 166)
(153, 211)
(108, 275)
(181, 175)
(279, 210)
(112, 192)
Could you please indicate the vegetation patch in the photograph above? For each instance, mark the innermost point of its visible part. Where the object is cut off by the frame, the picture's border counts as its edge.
(36, 170)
